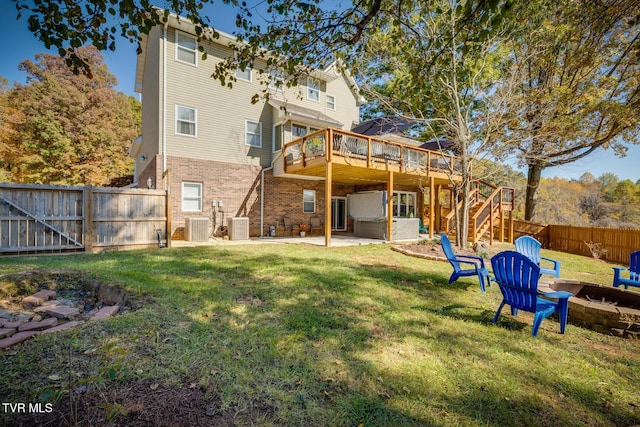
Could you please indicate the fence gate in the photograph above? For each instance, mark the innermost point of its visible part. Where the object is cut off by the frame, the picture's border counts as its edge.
(41, 218)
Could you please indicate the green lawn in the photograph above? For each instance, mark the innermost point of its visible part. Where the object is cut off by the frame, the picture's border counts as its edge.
(288, 335)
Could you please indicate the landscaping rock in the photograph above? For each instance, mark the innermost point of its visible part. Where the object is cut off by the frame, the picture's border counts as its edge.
(110, 294)
(37, 326)
(38, 298)
(105, 312)
(6, 332)
(62, 327)
(46, 306)
(63, 312)
(17, 338)
(12, 324)
(4, 314)
(15, 316)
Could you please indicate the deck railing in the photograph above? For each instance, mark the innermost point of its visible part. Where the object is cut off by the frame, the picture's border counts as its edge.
(373, 151)
(486, 200)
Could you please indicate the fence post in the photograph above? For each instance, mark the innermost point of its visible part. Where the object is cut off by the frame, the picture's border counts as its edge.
(168, 207)
(89, 225)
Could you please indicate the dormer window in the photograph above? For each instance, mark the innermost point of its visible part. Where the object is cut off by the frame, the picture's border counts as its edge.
(186, 48)
(313, 89)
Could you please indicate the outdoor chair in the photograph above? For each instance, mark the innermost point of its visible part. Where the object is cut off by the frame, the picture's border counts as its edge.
(315, 224)
(530, 247)
(517, 276)
(634, 272)
(288, 225)
(475, 263)
(423, 229)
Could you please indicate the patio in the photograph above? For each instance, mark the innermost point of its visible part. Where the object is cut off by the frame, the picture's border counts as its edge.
(336, 241)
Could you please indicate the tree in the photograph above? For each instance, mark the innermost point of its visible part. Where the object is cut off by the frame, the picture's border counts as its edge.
(592, 204)
(299, 33)
(559, 200)
(625, 192)
(608, 182)
(419, 65)
(580, 86)
(66, 128)
(587, 178)
(4, 130)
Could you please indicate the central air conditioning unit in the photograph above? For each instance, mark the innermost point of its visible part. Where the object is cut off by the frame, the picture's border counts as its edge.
(238, 228)
(196, 229)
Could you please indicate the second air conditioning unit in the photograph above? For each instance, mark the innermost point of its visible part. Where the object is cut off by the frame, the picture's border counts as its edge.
(239, 228)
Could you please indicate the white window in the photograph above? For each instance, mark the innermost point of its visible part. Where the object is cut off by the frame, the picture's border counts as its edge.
(244, 75)
(404, 204)
(331, 102)
(186, 119)
(192, 197)
(186, 48)
(276, 81)
(313, 89)
(278, 137)
(253, 133)
(309, 201)
(298, 131)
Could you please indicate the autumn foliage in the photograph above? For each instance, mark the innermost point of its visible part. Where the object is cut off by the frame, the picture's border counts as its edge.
(65, 128)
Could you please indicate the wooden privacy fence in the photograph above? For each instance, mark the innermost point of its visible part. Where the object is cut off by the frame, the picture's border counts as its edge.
(619, 243)
(538, 231)
(47, 218)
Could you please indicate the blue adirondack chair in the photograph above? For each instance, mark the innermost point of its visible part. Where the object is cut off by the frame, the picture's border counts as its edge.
(530, 247)
(423, 228)
(634, 272)
(457, 261)
(518, 278)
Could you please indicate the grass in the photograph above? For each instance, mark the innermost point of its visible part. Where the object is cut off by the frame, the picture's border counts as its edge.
(300, 335)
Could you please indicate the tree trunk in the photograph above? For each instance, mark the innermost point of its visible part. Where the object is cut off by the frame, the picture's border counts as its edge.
(534, 174)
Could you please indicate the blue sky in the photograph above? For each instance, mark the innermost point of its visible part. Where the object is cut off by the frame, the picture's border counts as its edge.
(18, 44)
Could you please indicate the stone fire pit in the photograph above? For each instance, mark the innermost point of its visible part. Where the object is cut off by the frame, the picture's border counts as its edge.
(603, 309)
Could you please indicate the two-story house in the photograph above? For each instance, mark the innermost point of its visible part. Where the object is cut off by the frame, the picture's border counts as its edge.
(221, 156)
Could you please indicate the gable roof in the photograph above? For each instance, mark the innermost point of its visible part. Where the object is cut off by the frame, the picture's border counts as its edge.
(332, 72)
(294, 111)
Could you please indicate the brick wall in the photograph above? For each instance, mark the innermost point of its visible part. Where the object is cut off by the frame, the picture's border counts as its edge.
(236, 185)
(239, 187)
(284, 196)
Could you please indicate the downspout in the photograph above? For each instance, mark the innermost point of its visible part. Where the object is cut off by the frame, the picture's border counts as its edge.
(164, 98)
(270, 168)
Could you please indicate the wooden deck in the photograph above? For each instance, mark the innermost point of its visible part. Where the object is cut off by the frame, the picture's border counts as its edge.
(359, 159)
(349, 158)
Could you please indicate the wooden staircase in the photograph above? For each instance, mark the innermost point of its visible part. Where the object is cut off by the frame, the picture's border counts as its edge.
(489, 205)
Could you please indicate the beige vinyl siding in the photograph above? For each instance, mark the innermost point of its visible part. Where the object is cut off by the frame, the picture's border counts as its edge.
(151, 89)
(221, 111)
(347, 110)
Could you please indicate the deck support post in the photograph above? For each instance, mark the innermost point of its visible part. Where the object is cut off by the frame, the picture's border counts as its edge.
(432, 206)
(389, 206)
(327, 204)
(501, 223)
(511, 225)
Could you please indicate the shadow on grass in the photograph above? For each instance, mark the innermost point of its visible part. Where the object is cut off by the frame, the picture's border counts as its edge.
(292, 336)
